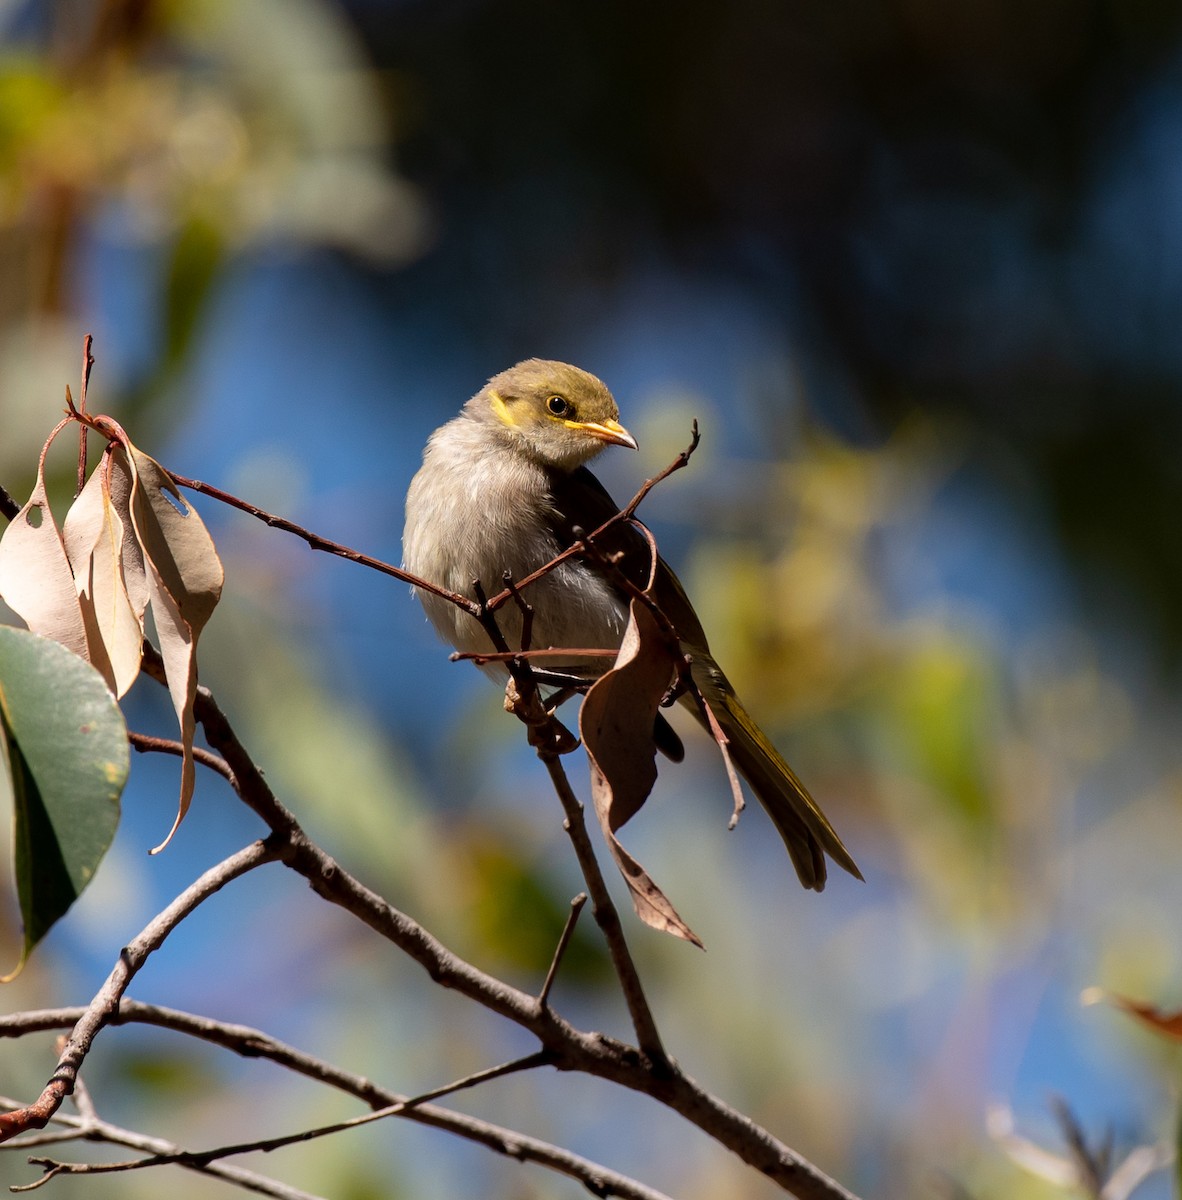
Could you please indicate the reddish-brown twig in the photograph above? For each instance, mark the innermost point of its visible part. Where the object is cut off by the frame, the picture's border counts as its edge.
(327, 545)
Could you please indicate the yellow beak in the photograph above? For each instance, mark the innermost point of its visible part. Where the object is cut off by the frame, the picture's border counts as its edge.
(606, 431)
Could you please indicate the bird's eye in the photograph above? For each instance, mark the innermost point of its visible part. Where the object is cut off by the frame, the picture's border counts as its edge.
(558, 406)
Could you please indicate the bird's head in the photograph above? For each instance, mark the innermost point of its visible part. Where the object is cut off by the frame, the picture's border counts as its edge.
(556, 414)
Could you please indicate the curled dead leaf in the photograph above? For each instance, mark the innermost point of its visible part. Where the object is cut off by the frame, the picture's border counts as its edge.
(102, 559)
(184, 583)
(35, 577)
(616, 724)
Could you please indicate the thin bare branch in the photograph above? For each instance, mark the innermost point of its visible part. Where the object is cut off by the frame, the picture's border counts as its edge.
(327, 545)
(103, 1131)
(197, 1158)
(606, 915)
(88, 1126)
(87, 364)
(568, 931)
(149, 744)
(525, 608)
(483, 657)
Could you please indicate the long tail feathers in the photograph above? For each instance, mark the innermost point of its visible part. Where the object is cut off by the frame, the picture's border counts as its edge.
(801, 823)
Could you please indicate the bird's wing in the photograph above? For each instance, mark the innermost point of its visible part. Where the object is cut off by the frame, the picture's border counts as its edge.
(581, 500)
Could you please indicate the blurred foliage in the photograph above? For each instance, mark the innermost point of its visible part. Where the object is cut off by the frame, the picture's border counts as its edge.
(197, 129)
(513, 905)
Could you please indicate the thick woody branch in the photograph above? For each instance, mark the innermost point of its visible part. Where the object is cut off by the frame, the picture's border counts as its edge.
(570, 1049)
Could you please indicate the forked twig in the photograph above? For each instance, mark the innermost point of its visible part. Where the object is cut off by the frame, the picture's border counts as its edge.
(199, 1159)
(607, 917)
(106, 1001)
(253, 1043)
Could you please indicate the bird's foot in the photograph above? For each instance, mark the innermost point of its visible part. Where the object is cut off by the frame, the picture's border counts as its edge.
(546, 733)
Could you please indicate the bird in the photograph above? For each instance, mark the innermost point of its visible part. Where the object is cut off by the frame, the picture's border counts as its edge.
(503, 489)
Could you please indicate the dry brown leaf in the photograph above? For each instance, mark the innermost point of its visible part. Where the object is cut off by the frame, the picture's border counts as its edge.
(616, 724)
(1168, 1024)
(174, 540)
(184, 578)
(130, 540)
(35, 578)
(94, 533)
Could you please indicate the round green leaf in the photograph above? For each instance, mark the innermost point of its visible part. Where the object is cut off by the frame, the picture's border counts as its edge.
(64, 746)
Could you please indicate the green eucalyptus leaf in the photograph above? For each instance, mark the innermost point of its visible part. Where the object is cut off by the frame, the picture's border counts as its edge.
(63, 746)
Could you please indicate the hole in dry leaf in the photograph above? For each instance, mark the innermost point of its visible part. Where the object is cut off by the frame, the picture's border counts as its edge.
(35, 516)
(176, 502)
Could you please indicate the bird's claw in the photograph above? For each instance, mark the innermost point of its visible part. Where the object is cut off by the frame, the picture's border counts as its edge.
(545, 732)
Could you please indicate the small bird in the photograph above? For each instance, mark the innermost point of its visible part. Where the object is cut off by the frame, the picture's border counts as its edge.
(502, 488)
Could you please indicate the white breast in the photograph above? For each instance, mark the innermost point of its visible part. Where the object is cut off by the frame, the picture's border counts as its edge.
(465, 521)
